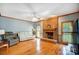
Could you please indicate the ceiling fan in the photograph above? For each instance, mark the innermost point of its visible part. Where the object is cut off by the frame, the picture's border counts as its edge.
(34, 13)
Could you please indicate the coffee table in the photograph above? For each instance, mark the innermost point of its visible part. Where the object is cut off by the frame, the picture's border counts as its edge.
(4, 44)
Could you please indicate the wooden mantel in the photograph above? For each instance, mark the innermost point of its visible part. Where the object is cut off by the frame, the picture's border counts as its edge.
(50, 30)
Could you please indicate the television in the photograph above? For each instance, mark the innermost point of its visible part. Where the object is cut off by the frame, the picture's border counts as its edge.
(76, 36)
(77, 21)
(77, 25)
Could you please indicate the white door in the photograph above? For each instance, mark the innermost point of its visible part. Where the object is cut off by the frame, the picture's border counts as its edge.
(38, 31)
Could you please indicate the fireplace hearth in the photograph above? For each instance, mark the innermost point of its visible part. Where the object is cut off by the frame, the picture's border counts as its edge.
(49, 35)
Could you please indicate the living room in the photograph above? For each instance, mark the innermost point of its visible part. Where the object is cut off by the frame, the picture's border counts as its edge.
(26, 29)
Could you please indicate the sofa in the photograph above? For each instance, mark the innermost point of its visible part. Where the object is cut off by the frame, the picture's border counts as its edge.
(12, 38)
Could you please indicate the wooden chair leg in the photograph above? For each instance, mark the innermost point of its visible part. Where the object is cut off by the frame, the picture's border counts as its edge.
(7, 49)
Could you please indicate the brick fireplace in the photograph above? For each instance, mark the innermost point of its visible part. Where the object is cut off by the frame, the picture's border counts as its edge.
(49, 33)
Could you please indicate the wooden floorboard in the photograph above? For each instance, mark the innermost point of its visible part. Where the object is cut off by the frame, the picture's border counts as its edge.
(29, 48)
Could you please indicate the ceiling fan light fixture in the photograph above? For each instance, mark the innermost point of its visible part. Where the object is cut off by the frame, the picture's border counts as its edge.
(35, 19)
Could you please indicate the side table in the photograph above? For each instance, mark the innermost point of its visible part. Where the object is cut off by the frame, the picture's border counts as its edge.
(3, 44)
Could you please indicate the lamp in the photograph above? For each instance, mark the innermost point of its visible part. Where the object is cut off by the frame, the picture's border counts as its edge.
(2, 32)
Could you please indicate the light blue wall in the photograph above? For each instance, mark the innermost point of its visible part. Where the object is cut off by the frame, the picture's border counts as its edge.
(15, 25)
(24, 28)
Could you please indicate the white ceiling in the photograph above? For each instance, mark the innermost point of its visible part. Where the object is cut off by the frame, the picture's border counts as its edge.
(28, 11)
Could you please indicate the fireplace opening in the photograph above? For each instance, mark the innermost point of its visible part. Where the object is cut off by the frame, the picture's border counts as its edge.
(49, 35)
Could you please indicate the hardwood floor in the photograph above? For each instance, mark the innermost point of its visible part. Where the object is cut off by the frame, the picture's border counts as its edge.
(48, 48)
(29, 48)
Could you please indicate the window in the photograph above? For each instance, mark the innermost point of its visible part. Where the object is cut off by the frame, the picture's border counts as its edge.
(67, 31)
